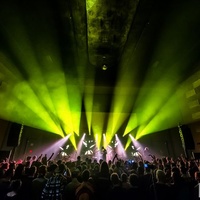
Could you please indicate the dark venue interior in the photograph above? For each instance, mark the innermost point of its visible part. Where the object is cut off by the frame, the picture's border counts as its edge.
(93, 83)
(99, 67)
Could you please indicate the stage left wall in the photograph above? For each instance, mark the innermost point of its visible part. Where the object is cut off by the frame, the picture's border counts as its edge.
(4, 149)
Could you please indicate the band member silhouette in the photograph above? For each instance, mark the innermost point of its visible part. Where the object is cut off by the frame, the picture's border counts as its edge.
(104, 152)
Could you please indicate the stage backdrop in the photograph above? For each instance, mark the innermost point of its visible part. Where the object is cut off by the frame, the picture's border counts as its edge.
(163, 143)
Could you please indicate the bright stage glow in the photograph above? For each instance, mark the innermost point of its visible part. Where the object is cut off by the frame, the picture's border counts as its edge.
(54, 147)
(80, 144)
(119, 148)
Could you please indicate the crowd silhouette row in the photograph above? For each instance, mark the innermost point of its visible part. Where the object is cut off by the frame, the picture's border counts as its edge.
(42, 178)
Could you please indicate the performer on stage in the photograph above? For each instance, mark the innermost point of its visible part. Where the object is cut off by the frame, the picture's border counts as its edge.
(104, 152)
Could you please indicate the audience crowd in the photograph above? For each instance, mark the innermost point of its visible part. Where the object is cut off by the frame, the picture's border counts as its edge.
(40, 178)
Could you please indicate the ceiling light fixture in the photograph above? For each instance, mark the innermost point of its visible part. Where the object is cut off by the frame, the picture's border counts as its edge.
(104, 67)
